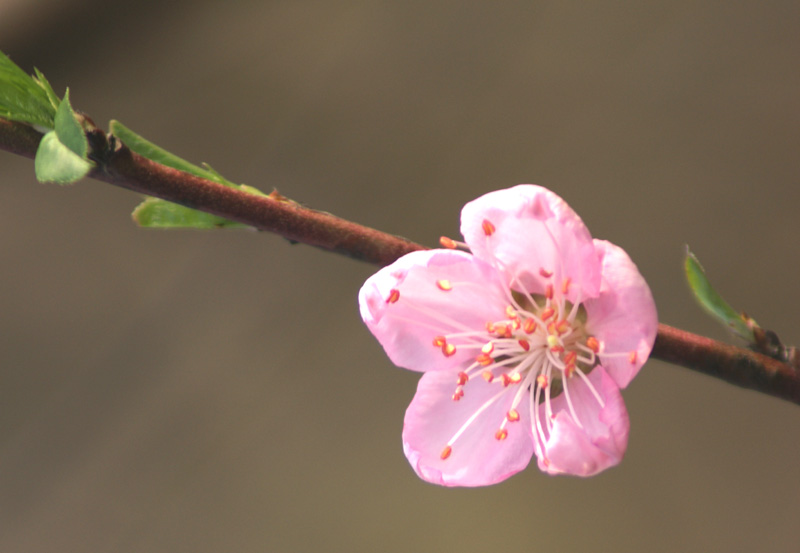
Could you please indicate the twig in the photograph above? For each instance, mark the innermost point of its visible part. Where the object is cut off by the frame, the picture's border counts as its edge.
(121, 167)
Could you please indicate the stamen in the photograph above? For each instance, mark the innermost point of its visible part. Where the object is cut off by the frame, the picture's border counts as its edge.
(548, 292)
(444, 285)
(545, 274)
(488, 348)
(488, 227)
(448, 243)
(446, 452)
(487, 376)
(524, 344)
(484, 359)
(439, 341)
(512, 415)
(501, 434)
(565, 285)
(593, 344)
(541, 380)
(448, 350)
(462, 378)
(530, 326)
(632, 357)
(459, 393)
(547, 313)
(394, 295)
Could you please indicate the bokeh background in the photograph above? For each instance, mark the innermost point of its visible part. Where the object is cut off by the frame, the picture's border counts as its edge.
(216, 391)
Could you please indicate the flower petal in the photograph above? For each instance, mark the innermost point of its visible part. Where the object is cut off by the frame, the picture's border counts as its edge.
(623, 317)
(407, 324)
(477, 457)
(529, 229)
(601, 441)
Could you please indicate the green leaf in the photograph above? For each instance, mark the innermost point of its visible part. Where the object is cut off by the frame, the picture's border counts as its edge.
(147, 149)
(55, 162)
(712, 302)
(158, 213)
(62, 154)
(68, 129)
(23, 98)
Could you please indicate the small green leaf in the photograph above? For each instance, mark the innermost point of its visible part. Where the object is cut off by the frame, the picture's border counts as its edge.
(158, 213)
(56, 163)
(23, 98)
(62, 153)
(147, 149)
(713, 303)
(68, 130)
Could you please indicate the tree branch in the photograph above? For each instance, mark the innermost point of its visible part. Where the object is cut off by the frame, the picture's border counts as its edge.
(122, 167)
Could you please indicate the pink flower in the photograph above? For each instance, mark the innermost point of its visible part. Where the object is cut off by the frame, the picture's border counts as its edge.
(525, 333)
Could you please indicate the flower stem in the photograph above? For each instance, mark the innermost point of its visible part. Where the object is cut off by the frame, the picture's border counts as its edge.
(120, 166)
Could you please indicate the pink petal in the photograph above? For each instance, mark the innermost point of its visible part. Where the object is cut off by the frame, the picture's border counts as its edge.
(534, 231)
(406, 328)
(603, 438)
(623, 317)
(477, 458)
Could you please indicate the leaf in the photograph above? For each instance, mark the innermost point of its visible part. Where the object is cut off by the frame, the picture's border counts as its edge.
(23, 98)
(712, 302)
(62, 153)
(55, 162)
(158, 213)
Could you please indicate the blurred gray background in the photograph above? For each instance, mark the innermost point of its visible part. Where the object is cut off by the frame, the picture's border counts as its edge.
(216, 391)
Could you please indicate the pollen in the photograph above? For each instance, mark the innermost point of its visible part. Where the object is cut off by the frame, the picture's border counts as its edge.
(444, 285)
(394, 295)
(448, 243)
(448, 350)
(501, 434)
(446, 452)
(488, 227)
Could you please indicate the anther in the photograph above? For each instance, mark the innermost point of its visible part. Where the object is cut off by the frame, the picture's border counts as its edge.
(541, 380)
(547, 313)
(548, 292)
(512, 415)
(448, 243)
(439, 341)
(510, 312)
(448, 350)
(530, 326)
(501, 434)
(444, 285)
(632, 357)
(446, 452)
(488, 348)
(487, 376)
(544, 273)
(524, 344)
(562, 327)
(484, 359)
(570, 357)
(593, 344)
(394, 295)
(488, 227)
(565, 285)
(462, 378)
(459, 393)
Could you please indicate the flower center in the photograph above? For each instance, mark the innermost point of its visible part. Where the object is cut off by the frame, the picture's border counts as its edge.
(536, 349)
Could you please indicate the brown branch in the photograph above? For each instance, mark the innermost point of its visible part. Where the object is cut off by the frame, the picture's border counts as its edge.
(121, 167)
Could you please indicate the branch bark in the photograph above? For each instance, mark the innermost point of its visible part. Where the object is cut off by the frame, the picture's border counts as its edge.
(122, 167)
